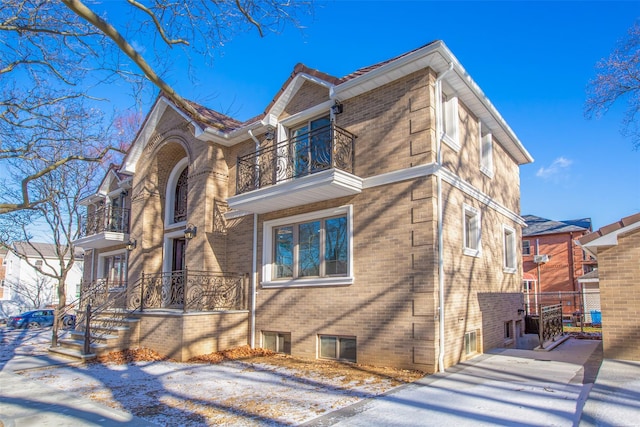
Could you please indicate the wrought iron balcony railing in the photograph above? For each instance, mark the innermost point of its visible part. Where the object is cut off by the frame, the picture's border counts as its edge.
(190, 290)
(105, 219)
(329, 147)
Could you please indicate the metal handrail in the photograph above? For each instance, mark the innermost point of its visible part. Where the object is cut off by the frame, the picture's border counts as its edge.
(104, 219)
(189, 290)
(328, 147)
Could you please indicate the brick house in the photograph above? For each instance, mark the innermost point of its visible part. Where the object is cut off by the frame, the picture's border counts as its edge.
(552, 257)
(617, 248)
(370, 218)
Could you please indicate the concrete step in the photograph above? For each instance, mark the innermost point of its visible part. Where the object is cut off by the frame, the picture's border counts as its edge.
(96, 335)
(72, 353)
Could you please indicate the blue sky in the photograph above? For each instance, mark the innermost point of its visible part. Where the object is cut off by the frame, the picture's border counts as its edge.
(532, 59)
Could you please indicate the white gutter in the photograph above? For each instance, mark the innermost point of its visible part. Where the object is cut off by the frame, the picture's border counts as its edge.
(439, 135)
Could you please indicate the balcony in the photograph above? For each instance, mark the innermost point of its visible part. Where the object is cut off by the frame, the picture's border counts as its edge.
(311, 167)
(106, 226)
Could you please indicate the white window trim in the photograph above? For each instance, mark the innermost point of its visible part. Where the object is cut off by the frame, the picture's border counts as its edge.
(167, 249)
(486, 161)
(450, 117)
(478, 219)
(170, 193)
(506, 229)
(101, 258)
(267, 250)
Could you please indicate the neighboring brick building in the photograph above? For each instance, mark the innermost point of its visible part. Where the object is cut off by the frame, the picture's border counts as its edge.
(617, 248)
(357, 207)
(552, 256)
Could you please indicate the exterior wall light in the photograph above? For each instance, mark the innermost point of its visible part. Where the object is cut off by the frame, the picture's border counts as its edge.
(190, 232)
(131, 244)
(336, 108)
(269, 134)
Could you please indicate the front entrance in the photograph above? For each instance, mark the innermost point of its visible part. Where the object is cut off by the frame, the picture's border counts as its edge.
(176, 298)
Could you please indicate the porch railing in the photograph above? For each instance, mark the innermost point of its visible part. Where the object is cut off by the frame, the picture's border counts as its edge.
(103, 219)
(550, 323)
(329, 147)
(189, 290)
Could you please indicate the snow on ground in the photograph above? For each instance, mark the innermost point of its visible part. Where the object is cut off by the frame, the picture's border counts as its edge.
(245, 393)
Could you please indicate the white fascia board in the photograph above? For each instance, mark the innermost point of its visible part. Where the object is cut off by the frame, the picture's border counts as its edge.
(292, 88)
(438, 57)
(271, 117)
(609, 239)
(130, 160)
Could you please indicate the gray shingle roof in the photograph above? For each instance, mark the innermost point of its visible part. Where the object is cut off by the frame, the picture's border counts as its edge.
(537, 226)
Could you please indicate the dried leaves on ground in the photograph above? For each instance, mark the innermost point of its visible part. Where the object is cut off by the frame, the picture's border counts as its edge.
(349, 372)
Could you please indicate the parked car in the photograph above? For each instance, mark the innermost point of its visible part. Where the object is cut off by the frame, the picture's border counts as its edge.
(39, 319)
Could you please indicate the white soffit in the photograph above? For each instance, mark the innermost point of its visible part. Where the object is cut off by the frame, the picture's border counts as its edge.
(101, 240)
(314, 188)
(610, 239)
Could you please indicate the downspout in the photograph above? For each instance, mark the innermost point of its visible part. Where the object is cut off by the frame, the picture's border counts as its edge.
(439, 135)
(254, 277)
(254, 264)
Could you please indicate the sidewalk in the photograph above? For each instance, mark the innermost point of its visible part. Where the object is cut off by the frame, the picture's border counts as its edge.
(510, 388)
(29, 403)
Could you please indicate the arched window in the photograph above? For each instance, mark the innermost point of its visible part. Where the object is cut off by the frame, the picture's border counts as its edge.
(180, 198)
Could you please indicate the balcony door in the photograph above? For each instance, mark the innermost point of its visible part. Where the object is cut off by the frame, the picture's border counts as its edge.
(312, 147)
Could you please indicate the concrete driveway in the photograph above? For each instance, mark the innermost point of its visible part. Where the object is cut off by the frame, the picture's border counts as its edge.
(506, 387)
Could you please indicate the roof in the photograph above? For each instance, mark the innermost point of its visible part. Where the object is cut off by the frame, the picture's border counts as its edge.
(40, 250)
(537, 226)
(529, 277)
(435, 55)
(607, 236)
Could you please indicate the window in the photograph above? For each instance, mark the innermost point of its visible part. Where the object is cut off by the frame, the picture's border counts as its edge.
(38, 263)
(450, 121)
(509, 249)
(526, 247)
(470, 343)
(113, 267)
(180, 198)
(527, 285)
(338, 348)
(176, 194)
(507, 330)
(312, 144)
(277, 341)
(308, 249)
(486, 154)
(471, 231)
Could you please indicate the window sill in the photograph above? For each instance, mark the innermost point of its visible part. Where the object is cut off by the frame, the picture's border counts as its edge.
(472, 252)
(487, 171)
(510, 270)
(306, 283)
(453, 143)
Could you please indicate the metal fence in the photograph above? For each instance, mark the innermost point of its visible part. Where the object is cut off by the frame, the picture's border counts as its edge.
(578, 308)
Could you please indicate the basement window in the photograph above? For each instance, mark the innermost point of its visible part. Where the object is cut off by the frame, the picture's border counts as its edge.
(280, 342)
(338, 348)
(470, 343)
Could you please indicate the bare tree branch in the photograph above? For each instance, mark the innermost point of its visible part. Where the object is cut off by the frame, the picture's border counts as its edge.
(618, 77)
